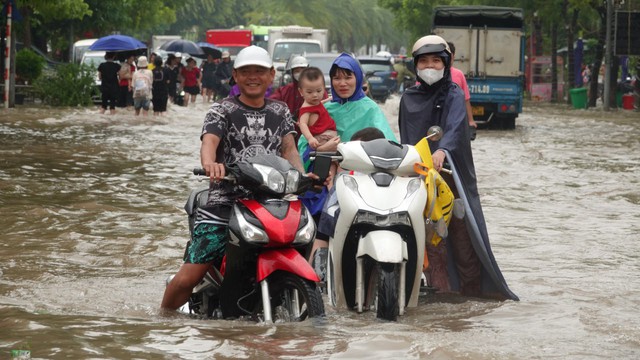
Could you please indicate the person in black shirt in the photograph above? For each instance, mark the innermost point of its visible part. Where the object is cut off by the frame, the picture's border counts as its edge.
(108, 74)
(208, 78)
(222, 76)
(160, 87)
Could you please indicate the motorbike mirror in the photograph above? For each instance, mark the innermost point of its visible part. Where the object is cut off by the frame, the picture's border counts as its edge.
(434, 133)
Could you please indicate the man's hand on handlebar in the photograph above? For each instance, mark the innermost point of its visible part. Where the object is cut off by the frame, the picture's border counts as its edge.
(215, 171)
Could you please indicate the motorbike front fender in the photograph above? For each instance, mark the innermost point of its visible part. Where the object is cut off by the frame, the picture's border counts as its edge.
(383, 246)
(288, 260)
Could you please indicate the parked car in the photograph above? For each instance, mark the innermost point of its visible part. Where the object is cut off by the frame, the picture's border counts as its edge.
(94, 59)
(381, 75)
(79, 48)
(323, 61)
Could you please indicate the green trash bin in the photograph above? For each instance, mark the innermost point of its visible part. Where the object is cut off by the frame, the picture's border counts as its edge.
(579, 98)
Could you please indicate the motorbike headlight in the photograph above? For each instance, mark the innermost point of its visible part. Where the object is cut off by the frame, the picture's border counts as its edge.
(351, 183)
(293, 178)
(308, 231)
(366, 217)
(272, 178)
(413, 186)
(250, 232)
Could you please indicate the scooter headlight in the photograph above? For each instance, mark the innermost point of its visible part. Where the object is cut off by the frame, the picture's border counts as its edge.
(351, 183)
(308, 232)
(367, 217)
(271, 178)
(413, 186)
(250, 232)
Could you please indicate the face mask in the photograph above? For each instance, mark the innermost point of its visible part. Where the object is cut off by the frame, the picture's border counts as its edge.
(431, 76)
(296, 76)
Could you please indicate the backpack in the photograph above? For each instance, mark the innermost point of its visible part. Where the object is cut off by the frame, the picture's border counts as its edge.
(140, 86)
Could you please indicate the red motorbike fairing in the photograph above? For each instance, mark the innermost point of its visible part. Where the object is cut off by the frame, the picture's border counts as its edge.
(280, 232)
(288, 260)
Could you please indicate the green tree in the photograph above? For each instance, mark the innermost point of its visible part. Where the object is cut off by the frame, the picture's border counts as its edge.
(35, 12)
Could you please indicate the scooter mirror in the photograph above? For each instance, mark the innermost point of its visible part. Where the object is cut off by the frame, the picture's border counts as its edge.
(434, 133)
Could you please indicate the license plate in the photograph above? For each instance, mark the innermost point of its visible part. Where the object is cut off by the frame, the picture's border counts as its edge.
(375, 78)
(477, 110)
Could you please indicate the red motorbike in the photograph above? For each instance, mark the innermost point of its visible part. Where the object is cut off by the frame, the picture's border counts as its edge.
(267, 275)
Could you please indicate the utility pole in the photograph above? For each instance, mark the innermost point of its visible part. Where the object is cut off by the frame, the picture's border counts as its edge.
(609, 50)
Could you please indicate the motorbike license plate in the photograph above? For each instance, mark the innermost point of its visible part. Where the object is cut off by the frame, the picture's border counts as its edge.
(477, 110)
(375, 78)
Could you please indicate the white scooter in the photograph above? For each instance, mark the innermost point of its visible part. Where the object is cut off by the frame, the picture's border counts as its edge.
(377, 250)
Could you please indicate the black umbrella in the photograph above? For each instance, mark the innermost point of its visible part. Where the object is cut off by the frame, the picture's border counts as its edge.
(183, 46)
(210, 49)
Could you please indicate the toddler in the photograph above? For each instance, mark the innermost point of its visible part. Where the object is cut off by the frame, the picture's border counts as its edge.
(315, 123)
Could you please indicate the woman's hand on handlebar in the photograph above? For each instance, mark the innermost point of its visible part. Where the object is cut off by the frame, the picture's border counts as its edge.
(215, 171)
(327, 182)
(438, 159)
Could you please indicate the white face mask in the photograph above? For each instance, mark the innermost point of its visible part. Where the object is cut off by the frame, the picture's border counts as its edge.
(296, 76)
(431, 76)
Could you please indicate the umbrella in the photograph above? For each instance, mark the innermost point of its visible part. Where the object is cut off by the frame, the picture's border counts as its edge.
(117, 43)
(183, 46)
(210, 49)
(123, 55)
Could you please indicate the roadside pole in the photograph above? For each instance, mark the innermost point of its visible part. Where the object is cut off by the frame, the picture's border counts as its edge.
(607, 57)
(7, 57)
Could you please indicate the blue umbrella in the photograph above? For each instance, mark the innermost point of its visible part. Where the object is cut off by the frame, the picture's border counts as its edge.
(210, 49)
(117, 43)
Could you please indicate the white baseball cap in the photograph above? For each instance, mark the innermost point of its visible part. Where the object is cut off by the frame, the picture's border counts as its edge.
(253, 55)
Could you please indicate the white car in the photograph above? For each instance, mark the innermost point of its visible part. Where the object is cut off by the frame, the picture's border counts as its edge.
(94, 59)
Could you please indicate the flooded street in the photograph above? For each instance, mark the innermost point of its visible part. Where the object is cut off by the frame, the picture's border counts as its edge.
(91, 224)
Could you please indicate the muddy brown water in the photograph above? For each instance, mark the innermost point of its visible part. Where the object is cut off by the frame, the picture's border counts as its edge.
(91, 224)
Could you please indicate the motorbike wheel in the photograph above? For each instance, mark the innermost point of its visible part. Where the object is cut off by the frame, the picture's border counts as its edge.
(387, 300)
(285, 288)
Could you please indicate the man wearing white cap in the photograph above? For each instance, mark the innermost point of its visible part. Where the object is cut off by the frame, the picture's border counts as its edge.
(223, 75)
(235, 128)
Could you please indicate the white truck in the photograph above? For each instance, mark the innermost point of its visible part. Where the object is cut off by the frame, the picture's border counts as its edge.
(288, 40)
(159, 40)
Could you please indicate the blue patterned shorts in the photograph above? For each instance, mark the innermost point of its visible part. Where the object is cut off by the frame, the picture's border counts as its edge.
(207, 244)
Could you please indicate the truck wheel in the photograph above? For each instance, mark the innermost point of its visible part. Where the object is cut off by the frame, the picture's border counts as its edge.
(508, 123)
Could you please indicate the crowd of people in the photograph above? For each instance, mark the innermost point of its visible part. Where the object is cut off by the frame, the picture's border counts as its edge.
(232, 128)
(151, 83)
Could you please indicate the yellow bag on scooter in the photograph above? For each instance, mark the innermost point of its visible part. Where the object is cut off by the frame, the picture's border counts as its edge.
(440, 198)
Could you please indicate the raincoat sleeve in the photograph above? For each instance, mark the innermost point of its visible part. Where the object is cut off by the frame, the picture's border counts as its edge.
(454, 123)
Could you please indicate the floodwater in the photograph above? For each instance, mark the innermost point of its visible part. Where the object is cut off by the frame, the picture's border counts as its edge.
(91, 224)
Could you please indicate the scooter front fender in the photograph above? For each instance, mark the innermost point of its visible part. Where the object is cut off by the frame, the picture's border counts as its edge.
(288, 260)
(383, 246)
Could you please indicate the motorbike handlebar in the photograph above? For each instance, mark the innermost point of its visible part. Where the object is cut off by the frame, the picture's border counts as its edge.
(199, 172)
(203, 172)
(334, 155)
